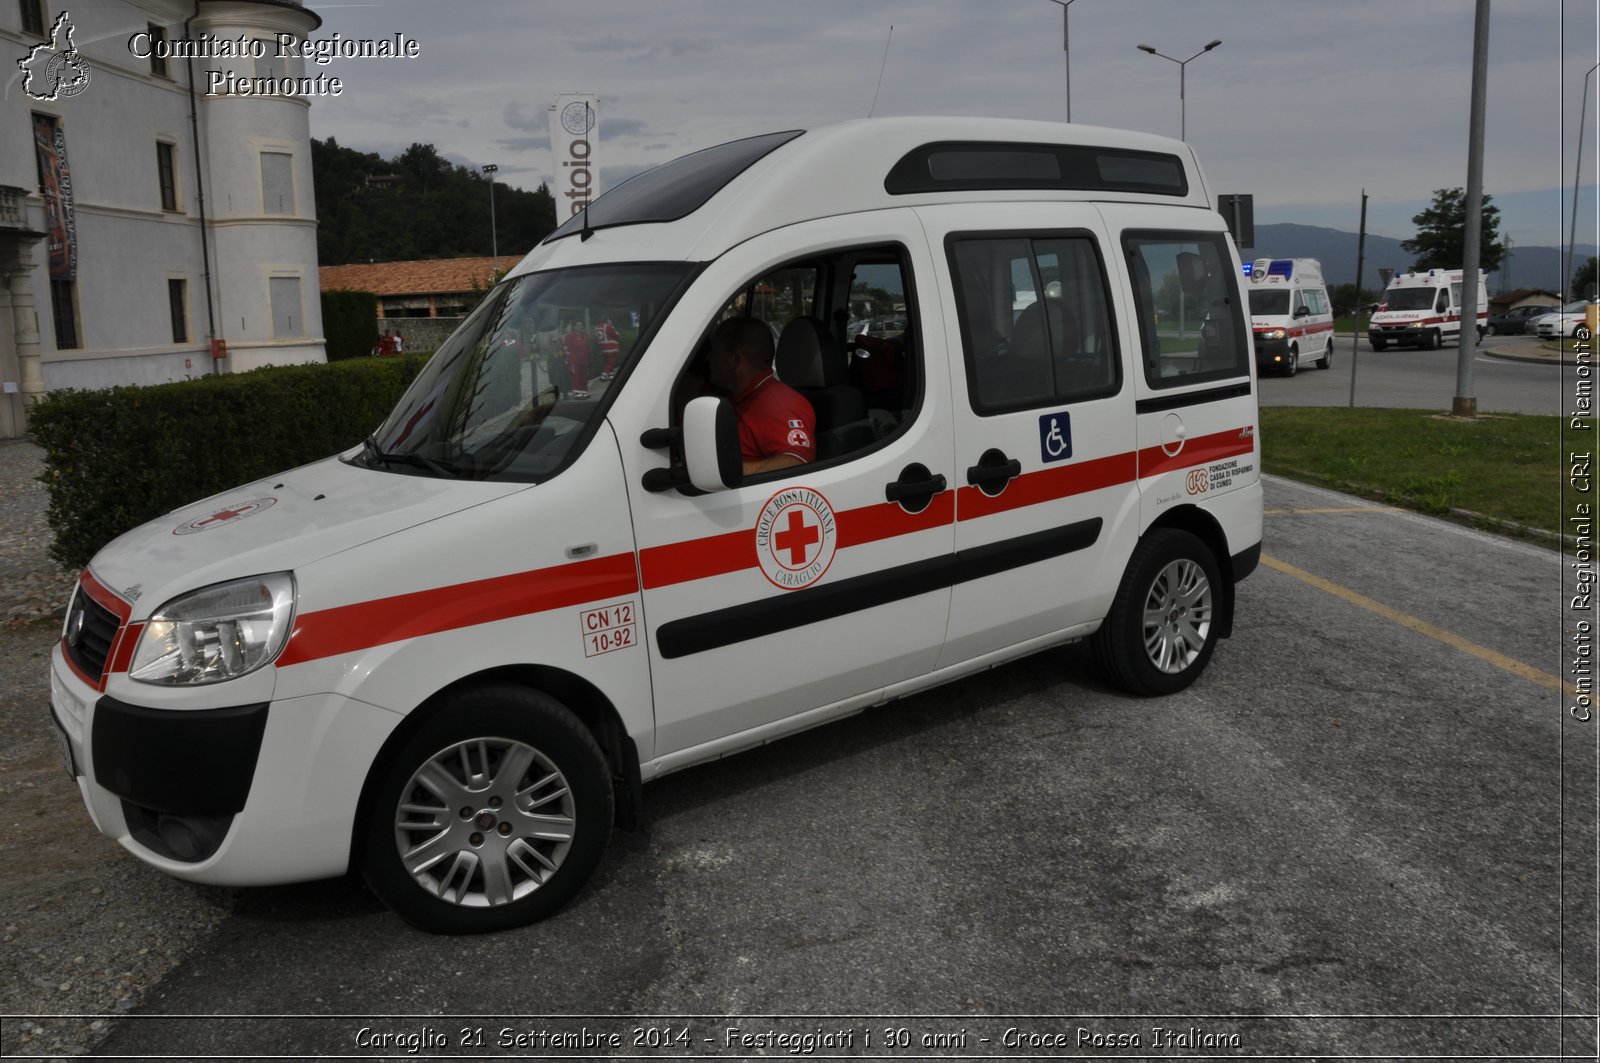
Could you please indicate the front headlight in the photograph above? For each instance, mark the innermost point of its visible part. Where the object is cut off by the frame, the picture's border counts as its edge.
(1274, 334)
(216, 633)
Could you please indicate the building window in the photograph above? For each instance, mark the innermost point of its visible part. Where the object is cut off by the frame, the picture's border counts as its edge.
(178, 303)
(167, 173)
(285, 293)
(277, 182)
(158, 47)
(269, 62)
(64, 309)
(33, 17)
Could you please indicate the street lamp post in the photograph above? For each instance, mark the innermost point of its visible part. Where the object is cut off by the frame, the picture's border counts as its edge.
(1183, 112)
(494, 236)
(1066, 48)
(1577, 167)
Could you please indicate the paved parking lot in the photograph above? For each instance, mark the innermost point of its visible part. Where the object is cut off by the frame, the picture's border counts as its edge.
(1368, 830)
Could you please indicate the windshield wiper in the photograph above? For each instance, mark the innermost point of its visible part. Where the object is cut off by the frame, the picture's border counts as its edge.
(381, 457)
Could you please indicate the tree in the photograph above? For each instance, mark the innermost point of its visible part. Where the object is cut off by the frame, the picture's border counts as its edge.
(1440, 242)
(1584, 277)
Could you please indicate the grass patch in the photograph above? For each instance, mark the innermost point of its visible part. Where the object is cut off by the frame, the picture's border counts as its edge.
(1506, 467)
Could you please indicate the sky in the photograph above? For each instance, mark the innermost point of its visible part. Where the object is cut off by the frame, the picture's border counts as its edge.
(1303, 105)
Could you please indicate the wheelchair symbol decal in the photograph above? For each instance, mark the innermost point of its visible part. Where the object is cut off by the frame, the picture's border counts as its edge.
(1055, 437)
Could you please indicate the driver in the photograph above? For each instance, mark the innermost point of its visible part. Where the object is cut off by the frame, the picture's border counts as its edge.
(777, 428)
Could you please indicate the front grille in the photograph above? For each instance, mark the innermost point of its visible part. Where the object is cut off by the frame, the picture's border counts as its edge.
(91, 628)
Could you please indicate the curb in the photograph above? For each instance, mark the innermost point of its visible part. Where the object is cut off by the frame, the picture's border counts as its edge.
(1553, 358)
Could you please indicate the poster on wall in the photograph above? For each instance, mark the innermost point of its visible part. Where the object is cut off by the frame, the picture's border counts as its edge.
(574, 127)
(55, 184)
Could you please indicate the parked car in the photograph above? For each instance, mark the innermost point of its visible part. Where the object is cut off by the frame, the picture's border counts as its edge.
(452, 655)
(1516, 320)
(1564, 322)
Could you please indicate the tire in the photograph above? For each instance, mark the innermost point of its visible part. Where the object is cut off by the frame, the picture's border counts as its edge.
(1326, 361)
(1292, 366)
(437, 844)
(1429, 340)
(1162, 627)
(1378, 345)
(1488, 330)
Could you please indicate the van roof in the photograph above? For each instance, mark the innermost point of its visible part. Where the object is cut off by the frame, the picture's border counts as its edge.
(696, 207)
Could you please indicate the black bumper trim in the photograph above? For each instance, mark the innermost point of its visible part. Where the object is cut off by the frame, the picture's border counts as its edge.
(182, 762)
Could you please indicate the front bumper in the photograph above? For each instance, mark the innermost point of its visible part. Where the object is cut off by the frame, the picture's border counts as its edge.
(1397, 333)
(1271, 354)
(236, 796)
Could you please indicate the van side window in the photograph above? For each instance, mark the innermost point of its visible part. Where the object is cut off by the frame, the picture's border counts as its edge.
(1035, 321)
(1187, 303)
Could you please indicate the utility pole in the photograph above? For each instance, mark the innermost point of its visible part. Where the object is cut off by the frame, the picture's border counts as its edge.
(1066, 48)
(494, 236)
(1465, 403)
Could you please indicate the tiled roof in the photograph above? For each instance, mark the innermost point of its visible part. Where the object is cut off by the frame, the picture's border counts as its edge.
(426, 277)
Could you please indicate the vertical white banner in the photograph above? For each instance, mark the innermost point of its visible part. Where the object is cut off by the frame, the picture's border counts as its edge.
(574, 130)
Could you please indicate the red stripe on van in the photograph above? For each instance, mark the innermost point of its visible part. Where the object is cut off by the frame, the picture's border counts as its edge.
(717, 555)
(1153, 461)
(348, 628)
(1049, 484)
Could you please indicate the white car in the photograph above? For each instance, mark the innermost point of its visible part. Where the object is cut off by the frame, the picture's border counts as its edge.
(451, 656)
(1564, 322)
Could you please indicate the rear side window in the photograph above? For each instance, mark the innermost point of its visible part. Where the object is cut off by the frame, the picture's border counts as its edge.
(965, 166)
(1035, 320)
(1190, 325)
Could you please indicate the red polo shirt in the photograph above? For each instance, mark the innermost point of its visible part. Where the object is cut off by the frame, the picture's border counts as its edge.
(774, 419)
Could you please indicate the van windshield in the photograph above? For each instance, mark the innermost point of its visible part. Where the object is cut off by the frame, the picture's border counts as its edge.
(1409, 298)
(516, 391)
(1269, 303)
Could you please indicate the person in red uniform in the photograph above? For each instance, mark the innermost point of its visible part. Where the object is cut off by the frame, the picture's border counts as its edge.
(575, 344)
(610, 346)
(777, 427)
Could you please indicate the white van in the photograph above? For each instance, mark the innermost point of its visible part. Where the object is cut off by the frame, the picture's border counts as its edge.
(1424, 309)
(1290, 314)
(451, 656)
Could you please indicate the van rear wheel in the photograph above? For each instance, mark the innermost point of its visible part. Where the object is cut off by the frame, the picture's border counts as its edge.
(491, 816)
(1162, 627)
(1326, 361)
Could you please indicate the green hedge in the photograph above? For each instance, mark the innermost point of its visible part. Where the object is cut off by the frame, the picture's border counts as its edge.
(349, 324)
(114, 459)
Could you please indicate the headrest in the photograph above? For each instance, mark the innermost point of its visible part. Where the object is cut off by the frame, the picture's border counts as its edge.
(808, 357)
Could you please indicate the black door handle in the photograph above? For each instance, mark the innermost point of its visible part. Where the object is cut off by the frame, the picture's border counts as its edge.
(915, 488)
(993, 471)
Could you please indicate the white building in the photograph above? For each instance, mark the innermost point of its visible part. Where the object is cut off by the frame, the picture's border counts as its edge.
(150, 231)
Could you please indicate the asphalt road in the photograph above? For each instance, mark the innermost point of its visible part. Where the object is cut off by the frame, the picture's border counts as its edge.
(1406, 378)
(1354, 836)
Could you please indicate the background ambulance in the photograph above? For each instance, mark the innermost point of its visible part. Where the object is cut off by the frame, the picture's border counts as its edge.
(1290, 314)
(450, 656)
(1424, 309)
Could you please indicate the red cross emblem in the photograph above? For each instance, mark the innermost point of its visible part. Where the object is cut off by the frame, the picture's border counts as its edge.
(797, 538)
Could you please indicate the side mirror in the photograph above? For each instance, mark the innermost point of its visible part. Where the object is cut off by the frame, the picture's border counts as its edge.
(1302, 311)
(711, 444)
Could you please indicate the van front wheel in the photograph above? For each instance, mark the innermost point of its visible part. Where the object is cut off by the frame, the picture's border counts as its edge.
(1162, 627)
(491, 816)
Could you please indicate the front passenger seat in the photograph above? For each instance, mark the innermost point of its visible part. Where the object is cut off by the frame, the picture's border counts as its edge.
(811, 361)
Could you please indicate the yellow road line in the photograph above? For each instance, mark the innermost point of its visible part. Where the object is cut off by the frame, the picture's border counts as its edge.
(1422, 627)
(1333, 509)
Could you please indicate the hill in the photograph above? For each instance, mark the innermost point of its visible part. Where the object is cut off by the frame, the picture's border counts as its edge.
(1526, 267)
